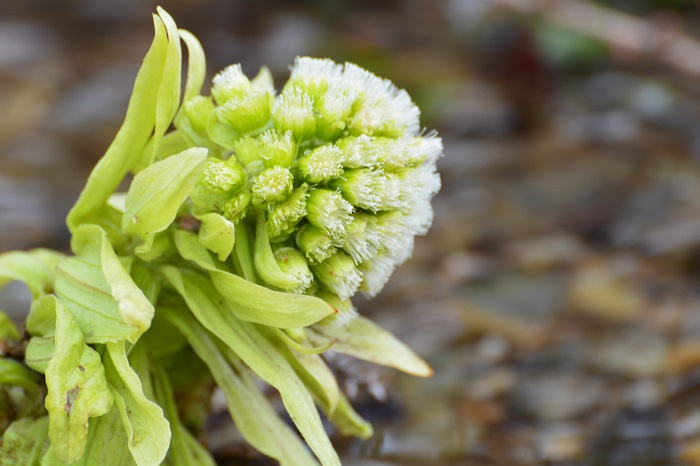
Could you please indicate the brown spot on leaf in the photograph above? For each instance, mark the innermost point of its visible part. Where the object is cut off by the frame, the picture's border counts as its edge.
(71, 395)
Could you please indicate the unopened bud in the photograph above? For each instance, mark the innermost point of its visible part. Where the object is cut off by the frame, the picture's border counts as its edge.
(293, 263)
(230, 84)
(316, 245)
(321, 164)
(294, 111)
(247, 113)
(237, 206)
(283, 216)
(362, 187)
(273, 184)
(328, 211)
(339, 274)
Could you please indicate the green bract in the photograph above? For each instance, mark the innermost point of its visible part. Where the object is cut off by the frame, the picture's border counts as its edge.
(232, 256)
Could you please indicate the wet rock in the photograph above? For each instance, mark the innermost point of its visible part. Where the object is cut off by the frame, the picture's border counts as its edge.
(634, 352)
(544, 252)
(554, 397)
(607, 291)
(560, 442)
(635, 437)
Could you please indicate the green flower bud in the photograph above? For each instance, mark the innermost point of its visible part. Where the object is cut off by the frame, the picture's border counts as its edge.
(247, 150)
(375, 274)
(293, 263)
(316, 245)
(283, 217)
(423, 148)
(363, 187)
(321, 164)
(273, 184)
(277, 149)
(294, 111)
(247, 113)
(360, 151)
(362, 241)
(329, 212)
(339, 274)
(392, 153)
(333, 109)
(394, 234)
(230, 84)
(223, 177)
(237, 205)
(198, 110)
(391, 193)
(381, 109)
(313, 75)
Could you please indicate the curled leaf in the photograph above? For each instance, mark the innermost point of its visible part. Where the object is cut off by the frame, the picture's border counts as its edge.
(77, 388)
(147, 430)
(107, 304)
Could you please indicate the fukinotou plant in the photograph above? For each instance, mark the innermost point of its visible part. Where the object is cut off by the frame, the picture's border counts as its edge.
(252, 219)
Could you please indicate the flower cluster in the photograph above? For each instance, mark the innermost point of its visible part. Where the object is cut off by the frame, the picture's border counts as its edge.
(333, 170)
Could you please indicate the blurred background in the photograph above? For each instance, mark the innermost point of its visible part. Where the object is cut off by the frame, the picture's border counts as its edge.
(557, 295)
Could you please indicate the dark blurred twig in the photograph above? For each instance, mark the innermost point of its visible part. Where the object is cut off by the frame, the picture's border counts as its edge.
(624, 33)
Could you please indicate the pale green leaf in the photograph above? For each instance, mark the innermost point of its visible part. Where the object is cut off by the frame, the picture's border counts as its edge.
(221, 133)
(243, 253)
(39, 352)
(348, 421)
(172, 143)
(190, 248)
(107, 304)
(316, 375)
(196, 67)
(168, 91)
(147, 430)
(252, 413)
(157, 192)
(24, 442)
(265, 263)
(15, 373)
(105, 446)
(255, 303)
(185, 450)
(8, 329)
(363, 339)
(217, 234)
(259, 354)
(42, 316)
(128, 146)
(77, 388)
(35, 268)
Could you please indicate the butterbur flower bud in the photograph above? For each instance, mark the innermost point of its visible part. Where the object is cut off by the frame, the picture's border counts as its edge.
(198, 110)
(362, 187)
(283, 217)
(321, 164)
(294, 111)
(362, 241)
(230, 84)
(328, 211)
(247, 113)
(316, 245)
(313, 75)
(339, 274)
(334, 168)
(346, 311)
(223, 177)
(273, 184)
(360, 151)
(277, 149)
(292, 262)
(237, 205)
